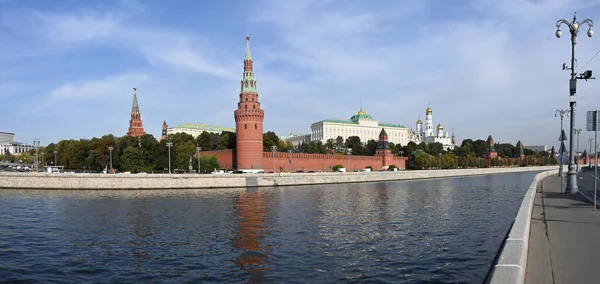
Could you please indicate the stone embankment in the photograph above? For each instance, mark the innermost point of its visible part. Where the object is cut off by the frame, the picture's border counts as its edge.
(193, 181)
(511, 264)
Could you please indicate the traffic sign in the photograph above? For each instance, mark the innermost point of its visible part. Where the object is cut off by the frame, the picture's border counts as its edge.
(562, 159)
(592, 120)
(562, 136)
(562, 148)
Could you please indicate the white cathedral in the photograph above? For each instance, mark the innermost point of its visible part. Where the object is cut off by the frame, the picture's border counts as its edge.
(428, 135)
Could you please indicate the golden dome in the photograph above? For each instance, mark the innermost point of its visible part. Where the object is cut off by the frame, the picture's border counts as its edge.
(428, 111)
(419, 122)
(361, 111)
(440, 127)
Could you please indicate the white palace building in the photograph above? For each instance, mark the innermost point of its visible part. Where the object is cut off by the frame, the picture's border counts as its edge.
(363, 125)
(366, 127)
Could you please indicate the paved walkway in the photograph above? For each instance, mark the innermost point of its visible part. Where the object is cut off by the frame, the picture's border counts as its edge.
(563, 242)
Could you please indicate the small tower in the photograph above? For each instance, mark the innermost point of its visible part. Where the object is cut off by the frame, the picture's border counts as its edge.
(553, 153)
(520, 153)
(165, 127)
(383, 149)
(249, 121)
(490, 152)
(440, 130)
(136, 128)
(453, 138)
(428, 122)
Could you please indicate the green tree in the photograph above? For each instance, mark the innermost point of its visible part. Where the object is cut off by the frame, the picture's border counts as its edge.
(132, 160)
(227, 140)
(270, 139)
(339, 142)
(371, 148)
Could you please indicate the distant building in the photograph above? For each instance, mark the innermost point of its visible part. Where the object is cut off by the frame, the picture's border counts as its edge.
(197, 129)
(7, 137)
(537, 148)
(8, 143)
(428, 135)
(296, 140)
(136, 128)
(363, 125)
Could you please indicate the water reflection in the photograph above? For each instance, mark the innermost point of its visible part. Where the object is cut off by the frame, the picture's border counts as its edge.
(251, 213)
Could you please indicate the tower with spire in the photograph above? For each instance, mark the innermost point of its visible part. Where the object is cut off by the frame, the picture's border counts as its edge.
(136, 128)
(428, 122)
(383, 149)
(249, 121)
(165, 127)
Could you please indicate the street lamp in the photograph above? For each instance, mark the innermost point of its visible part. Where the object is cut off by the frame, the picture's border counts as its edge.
(36, 144)
(440, 161)
(562, 113)
(349, 151)
(577, 131)
(169, 144)
(290, 152)
(574, 30)
(274, 149)
(198, 149)
(55, 152)
(110, 149)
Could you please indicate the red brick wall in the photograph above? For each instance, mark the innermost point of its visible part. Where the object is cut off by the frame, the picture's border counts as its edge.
(308, 162)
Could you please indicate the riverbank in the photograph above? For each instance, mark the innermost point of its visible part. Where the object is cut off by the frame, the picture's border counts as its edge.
(193, 181)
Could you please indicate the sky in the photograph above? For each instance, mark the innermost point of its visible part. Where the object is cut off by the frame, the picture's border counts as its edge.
(67, 68)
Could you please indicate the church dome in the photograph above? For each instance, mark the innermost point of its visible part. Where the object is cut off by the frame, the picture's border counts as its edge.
(428, 111)
(440, 127)
(419, 122)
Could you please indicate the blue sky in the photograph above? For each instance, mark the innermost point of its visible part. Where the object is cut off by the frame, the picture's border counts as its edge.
(67, 68)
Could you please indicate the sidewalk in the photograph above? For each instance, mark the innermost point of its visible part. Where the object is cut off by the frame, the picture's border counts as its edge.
(563, 241)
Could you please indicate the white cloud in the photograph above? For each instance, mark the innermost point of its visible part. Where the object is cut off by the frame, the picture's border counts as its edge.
(103, 89)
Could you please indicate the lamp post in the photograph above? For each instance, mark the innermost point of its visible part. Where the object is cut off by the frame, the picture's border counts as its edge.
(36, 144)
(562, 113)
(590, 153)
(55, 152)
(169, 144)
(440, 161)
(274, 149)
(198, 149)
(429, 162)
(290, 151)
(110, 149)
(349, 152)
(401, 153)
(577, 131)
(574, 30)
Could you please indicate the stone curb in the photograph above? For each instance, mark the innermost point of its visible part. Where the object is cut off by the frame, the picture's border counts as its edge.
(510, 266)
(193, 181)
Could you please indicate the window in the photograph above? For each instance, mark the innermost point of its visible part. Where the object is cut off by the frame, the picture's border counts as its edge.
(245, 126)
(254, 107)
(255, 126)
(246, 99)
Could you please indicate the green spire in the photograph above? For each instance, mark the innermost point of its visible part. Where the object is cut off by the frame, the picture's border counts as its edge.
(135, 102)
(248, 55)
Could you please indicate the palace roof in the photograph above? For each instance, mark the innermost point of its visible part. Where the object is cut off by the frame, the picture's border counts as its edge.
(201, 126)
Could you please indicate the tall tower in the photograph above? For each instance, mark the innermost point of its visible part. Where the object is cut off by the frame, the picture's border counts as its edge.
(164, 131)
(383, 149)
(249, 121)
(419, 130)
(428, 122)
(136, 129)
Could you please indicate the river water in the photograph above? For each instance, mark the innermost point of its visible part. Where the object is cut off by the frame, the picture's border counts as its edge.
(438, 230)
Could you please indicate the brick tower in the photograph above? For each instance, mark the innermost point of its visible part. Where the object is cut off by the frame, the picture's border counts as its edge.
(136, 129)
(383, 149)
(249, 121)
(164, 131)
(520, 153)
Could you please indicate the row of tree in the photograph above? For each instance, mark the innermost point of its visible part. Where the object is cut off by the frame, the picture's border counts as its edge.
(147, 154)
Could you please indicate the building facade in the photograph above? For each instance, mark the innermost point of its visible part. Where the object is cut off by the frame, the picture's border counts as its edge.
(249, 119)
(136, 128)
(8, 143)
(197, 129)
(363, 125)
(537, 148)
(296, 139)
(7, 137)
(428, 135)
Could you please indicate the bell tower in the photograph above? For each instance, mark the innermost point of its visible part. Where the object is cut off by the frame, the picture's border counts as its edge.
(249, 121)
(136, 128)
